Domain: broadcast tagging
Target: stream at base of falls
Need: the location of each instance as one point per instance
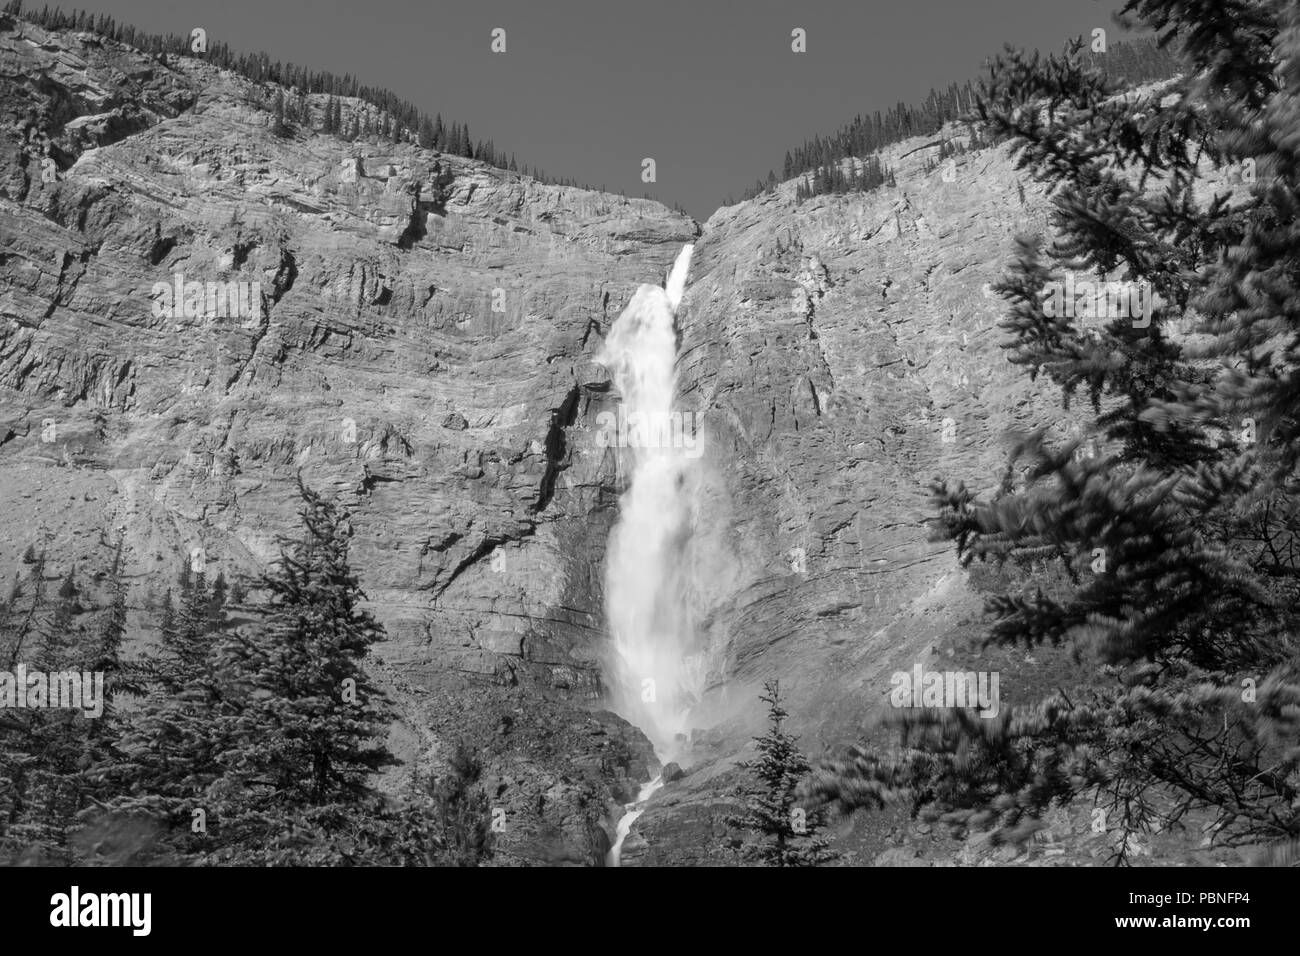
(630, 813)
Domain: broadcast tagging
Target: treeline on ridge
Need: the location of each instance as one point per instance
(822, 161)
(398, 120)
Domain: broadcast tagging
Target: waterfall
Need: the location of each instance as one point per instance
(630, 813)
(676, 283)
(655, 671)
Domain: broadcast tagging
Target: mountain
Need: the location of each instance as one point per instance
(375, 367)
(420, 346)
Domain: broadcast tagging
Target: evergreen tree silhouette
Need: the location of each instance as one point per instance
(788, 834)
(1191, 501)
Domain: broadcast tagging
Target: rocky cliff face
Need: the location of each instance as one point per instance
(420, 344)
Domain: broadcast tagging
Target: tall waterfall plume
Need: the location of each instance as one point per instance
(656, 670)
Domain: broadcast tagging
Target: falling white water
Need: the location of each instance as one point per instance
(677, 278)
(631, 812)
(656, 671)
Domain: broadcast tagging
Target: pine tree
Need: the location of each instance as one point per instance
(451, 818)
(187, 634)
(170, 749)
(1176, 544)
(788, 833)
(22, 621)
(68, 589)
(167, 620)
(49, 756)
(106, 654)
(58, 635)
(304, 747)
(279, 126)
(218, 598)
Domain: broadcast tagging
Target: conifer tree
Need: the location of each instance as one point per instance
(308, 738)
(21, 620)
(1179, 539)
(48, 754)
(68, 589)
(449, 824)
(169, 749)
(59, 633)
(105, 655)
(279, 126)
(217, 600)
(788, 834)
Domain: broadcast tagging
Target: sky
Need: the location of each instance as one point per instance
(588, 89)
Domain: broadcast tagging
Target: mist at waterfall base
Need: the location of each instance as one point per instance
(656, 667)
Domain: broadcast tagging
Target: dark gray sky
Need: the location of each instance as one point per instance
(587, 88)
